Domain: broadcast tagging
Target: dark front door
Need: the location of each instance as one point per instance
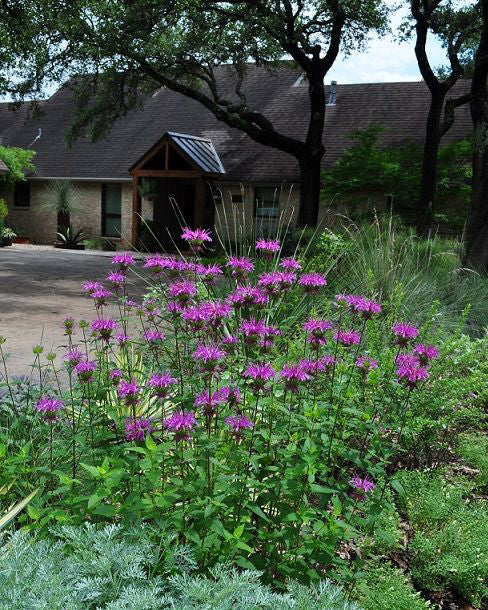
(174, 208)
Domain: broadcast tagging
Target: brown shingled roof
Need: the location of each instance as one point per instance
(400, 107)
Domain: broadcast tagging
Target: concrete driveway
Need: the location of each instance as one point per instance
(40, 287)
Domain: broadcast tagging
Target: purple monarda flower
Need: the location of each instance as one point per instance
(152, 336)
(320, 365)
(253, 330)
(209, 273)
(161, 384)
(209, 356)
(347, 337)
(276, 282)
(230, 343)
(426, 353)
(365, 485)
(116, 278)
(100, 296)
(317, 330)
(290, 264)
(115, 376)
(49, 407)
(238, 423)
(359, 304)
(247, 296)
(410, 371)
(312, 282)
(136, 428)
(197, 316)
(196, 237)
(259, 374)
(230, 395)
(240, 266)
(85, 370)
(181, 424)
(365, 364)
(104, 327)
(157, 263)
(294, 374)
(404, 333)
(73, 357)
(129, 392)
(122, 339)
(209, 402)
(268, 247)
(182, 291)
(90, 287)
(123, 260)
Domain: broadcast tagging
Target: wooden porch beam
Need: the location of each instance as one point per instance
(171, 173)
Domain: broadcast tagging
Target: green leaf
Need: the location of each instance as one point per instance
(14, 511)
(244, 547)
(150, 444)
(244, 563)
(93, 470)
(255, 509)
(238, 531)
(397, 486)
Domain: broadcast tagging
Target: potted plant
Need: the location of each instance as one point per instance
(8, 235)
(70, 239)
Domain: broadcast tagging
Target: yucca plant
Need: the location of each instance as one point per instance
(63, 198)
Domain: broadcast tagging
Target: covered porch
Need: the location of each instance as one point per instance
(175, 178)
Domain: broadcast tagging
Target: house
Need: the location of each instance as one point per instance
(174, 149)
(3, 168)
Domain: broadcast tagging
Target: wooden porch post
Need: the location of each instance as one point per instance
(199, 215)
(135, 219)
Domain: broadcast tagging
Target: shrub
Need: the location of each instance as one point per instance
(474, 449)
(450, 545)
(388, 589)
(88, 568)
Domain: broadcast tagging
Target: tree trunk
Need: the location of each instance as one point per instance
(309, 191)
(428, 180)
(314, 151)
(476, 236)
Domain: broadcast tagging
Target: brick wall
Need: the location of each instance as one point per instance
(40, 226)
(239, 217)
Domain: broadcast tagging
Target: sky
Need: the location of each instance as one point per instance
(385, 59)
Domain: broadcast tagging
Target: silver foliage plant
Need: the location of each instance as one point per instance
(85, 568)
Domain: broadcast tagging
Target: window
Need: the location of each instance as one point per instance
(266, 209)
(22, 194)
(111, 210)
(237, 199)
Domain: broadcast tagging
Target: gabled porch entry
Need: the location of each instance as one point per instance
(180, 169)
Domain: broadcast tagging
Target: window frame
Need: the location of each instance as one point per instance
(110, 215)
(27, 186)
(276, 202)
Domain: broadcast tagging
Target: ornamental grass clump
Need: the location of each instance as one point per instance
(250, 413)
